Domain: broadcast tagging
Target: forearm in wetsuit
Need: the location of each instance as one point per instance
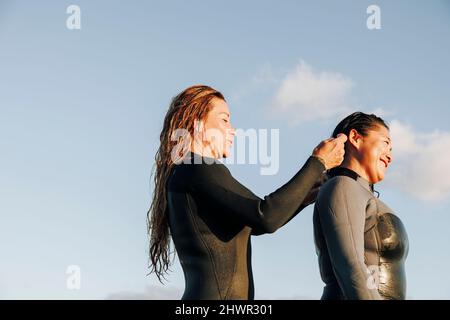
(262, 215)
(342, 209)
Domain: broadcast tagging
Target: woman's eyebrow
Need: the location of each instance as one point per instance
(225, 113)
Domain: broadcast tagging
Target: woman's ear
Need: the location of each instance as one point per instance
(354, 138)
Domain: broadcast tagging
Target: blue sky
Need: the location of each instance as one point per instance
(81, 111)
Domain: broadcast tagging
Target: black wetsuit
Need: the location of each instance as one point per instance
(211, 218)
(361, 244)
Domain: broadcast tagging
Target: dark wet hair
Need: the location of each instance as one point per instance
(361, 122)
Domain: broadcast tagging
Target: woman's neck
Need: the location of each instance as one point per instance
(203, 151)
(355, 166)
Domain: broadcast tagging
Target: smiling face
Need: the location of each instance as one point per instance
(372, 152)
(219, 134)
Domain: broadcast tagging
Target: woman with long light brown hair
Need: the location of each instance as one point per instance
(208, 214)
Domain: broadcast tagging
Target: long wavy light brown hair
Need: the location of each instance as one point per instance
(188, 107)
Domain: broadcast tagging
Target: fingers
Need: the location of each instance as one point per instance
(341, 138)
(332, 151)
(339, 142)
(339, 151)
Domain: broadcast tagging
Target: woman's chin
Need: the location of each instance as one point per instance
(380, 177)
(226, 151)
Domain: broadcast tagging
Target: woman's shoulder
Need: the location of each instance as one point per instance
(343, 187)
(341, 183)
(187, 173)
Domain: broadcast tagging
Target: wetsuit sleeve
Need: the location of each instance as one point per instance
(342, 217)
(215, 183)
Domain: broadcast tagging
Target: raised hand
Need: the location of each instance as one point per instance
(331, 151)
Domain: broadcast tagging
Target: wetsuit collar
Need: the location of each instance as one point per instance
(196, 158)
(341, 171)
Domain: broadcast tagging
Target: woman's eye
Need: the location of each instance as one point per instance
(225, 120)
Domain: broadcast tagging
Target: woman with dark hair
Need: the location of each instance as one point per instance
(361, 244)
(207, 213)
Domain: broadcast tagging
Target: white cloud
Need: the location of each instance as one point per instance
(306, 95)
(420, 162)
(152, 292)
